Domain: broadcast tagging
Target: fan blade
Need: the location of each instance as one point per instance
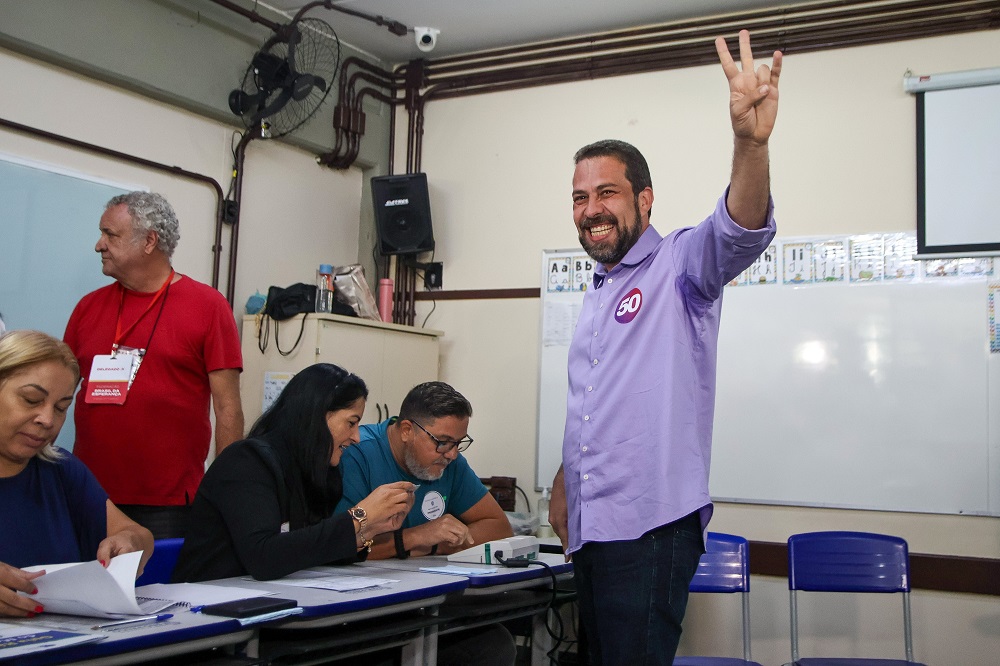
(304, 84)
(294, 39)
(275, 105)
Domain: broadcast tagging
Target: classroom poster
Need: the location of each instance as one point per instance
(899, 261)
(558, 274)
(867, 258)
(582, 272)
(798, 262)
(994, 304)
(830, 261)
(765, 269)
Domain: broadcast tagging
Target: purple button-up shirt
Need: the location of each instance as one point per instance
(638, 438)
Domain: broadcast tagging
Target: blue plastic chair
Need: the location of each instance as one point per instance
(161, 564)
(849, 562)
(725, 568)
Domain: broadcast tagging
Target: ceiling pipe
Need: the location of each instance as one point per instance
(812, 27)
(349, 116)
(156, 166)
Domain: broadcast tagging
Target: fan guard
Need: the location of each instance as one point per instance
(288, 79)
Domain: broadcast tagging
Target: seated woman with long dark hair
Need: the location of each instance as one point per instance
(52, 509)
(265, 507)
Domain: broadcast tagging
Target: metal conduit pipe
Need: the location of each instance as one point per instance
(812, 27)
(156, 166)
(858, 12)
(240, 159)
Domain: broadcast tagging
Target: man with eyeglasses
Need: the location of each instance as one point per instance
(452, 509)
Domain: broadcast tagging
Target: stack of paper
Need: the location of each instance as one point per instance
(87, 588)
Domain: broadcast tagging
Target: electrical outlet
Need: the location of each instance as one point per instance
(433, 275)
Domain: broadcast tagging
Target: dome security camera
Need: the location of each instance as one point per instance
(426, 38)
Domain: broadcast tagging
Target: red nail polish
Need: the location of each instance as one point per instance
(30, 615)
(35, 591)
(103, 564)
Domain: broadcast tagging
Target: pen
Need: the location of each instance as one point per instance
(147, 618)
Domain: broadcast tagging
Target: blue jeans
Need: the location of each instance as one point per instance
(633, 594)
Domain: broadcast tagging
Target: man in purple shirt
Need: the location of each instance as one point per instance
(631, 500)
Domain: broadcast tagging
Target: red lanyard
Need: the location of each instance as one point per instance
(119, 335)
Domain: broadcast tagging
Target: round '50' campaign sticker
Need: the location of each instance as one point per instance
(628, 306)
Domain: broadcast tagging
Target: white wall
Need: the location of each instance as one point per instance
(843, 161)
(295, 214)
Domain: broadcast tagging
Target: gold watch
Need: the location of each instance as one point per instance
(360, 515)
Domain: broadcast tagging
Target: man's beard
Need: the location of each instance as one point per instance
(417, 470)
(627, 237)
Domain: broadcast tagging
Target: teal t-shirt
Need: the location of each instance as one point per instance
(369, 464)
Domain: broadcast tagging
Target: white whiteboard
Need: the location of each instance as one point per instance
(565, 276)
(873, 396)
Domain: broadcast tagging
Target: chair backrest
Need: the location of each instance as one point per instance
(161, 565)
(725, 568)
(849, 562)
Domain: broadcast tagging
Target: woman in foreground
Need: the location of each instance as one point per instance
(54, 510)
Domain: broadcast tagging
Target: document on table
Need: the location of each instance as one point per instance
(18, 639)
(87, 588)
(461, 571)
(326, 581)
(195, 594)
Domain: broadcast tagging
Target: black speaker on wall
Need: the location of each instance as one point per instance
(402, 214)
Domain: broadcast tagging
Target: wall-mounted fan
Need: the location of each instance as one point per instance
(288, 78)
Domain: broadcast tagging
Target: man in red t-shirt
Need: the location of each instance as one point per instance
(168, 347)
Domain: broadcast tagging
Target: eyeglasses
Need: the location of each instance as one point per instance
(446, 446)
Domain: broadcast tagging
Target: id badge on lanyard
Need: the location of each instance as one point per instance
(111, 376)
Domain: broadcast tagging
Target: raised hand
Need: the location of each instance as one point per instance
(753, 96)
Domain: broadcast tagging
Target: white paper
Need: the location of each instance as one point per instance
(461, 571)
(18, 639)
(87, 588)
(274, 384)
(195, 594)
(325, 581)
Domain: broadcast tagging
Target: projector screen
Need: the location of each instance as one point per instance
(958, 171)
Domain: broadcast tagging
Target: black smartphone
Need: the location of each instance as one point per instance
(249, 607)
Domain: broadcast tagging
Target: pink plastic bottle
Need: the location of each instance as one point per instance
(385, 299)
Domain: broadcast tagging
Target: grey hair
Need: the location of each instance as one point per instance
(151, 212)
